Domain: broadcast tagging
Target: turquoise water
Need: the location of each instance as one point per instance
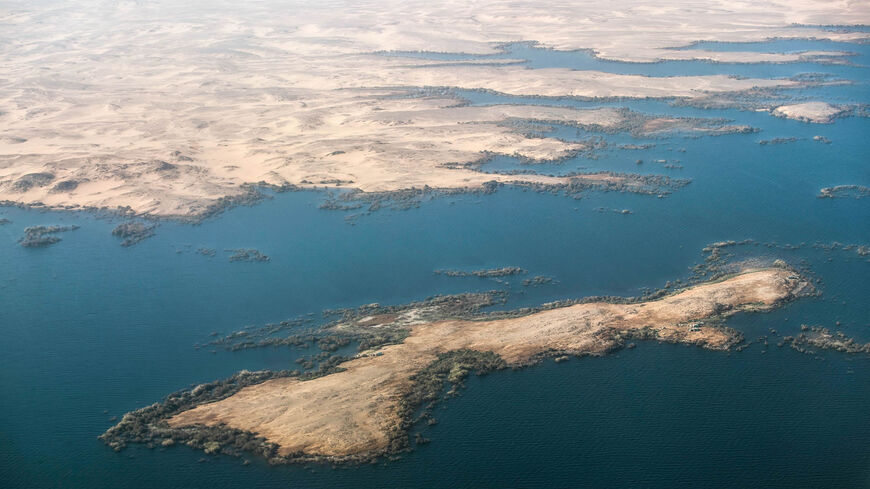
(91, 330)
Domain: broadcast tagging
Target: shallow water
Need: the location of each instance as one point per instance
(92, 330)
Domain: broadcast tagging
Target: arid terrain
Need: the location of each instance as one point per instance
(360, 410)
(164, 108)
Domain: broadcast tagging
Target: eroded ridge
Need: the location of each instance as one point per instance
(364, 408)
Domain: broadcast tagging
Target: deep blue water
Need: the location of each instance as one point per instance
(91, 330)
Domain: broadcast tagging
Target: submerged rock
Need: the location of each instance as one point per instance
(538, 280)
(824, 339)
(41, 236)
(133, 232)
(488, 273)
(845, 191)
(765, 142)
(248, 254)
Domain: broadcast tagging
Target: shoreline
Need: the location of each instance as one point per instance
(571, 184)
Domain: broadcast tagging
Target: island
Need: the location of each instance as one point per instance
(42, 236)
(816, 112)
(132, 232)
(363, 408)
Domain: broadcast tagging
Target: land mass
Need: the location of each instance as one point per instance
(188, 104)
(363, 408)
(380, 141)
(816, 112)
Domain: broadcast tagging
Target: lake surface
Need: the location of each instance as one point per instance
(92, 330)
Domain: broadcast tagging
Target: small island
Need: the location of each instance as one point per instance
(42, 236)
(485, 273)
(132, 232)
(363, 408)
(246, 254)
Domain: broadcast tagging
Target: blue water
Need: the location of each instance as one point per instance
(856, 61)
(91, 330)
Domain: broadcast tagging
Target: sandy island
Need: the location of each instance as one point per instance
(816, 112)
(359, 412)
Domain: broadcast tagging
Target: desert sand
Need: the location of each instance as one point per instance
(350, 139)
(358, 411)
(164, 107)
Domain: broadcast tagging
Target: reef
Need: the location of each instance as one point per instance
(824, 339)
(4, 221)
(637, 146)
(247, 254)
(133, 232)
(489, 273)
(604, 210)
(845, 192)
(41, 236)
(538, 281)
(765, 142)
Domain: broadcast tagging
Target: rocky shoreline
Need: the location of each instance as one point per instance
(575, 187)
(822, 338)
(150, 425)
